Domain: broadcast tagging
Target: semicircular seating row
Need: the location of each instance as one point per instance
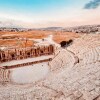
(87, 48)
(84, 44)
(63, 59)
(5, 75)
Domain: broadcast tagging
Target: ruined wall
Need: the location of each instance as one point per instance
(23, 53)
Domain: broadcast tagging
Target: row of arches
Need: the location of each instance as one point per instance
(17, 54)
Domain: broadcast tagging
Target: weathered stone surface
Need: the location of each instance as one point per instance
(68, 80)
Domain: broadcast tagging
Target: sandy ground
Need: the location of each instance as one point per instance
(36, 34)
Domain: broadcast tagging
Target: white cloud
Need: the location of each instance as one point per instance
(62, 17)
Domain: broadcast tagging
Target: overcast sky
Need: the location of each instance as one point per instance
(48, 13)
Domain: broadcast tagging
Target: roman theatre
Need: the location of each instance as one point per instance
(48, 71)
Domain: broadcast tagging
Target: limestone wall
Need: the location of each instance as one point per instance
(23, 53)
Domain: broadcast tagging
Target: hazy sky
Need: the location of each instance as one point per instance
(47, 13)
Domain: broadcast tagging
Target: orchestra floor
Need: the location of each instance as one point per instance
(30, 74)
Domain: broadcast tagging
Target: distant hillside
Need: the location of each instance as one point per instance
(51, 28)
(77, 29)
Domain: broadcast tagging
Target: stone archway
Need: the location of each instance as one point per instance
(13, 56)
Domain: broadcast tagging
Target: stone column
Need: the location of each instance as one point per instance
(0, 56)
